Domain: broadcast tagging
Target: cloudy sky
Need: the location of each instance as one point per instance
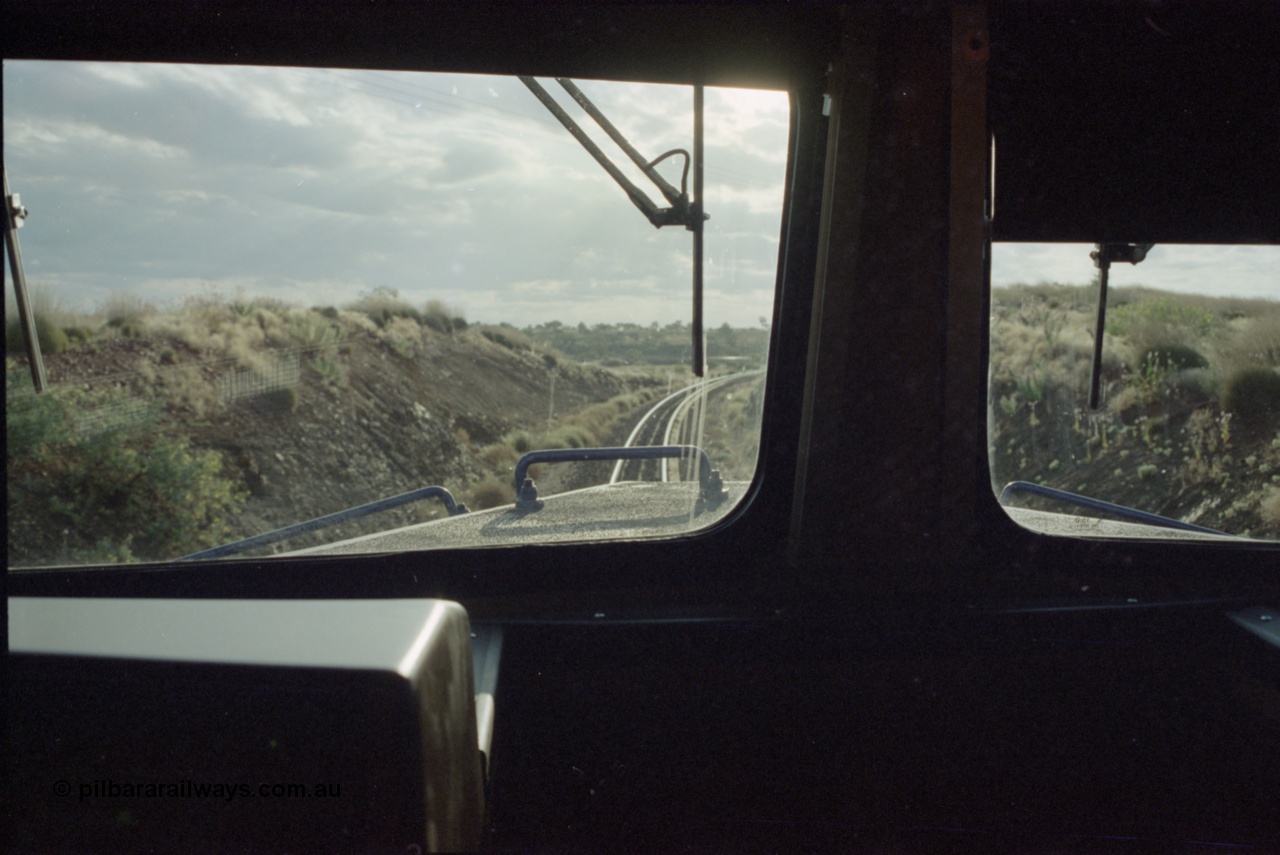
(315, 185)
(1226, 271)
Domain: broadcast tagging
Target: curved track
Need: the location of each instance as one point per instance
(673, 420)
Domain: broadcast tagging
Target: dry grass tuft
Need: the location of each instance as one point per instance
(1269, 508)
(500, 455)
(122, 306)
(491, 493)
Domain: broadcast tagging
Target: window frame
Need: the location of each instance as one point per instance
(730, 554)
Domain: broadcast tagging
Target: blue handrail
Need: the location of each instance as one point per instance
(1098, 505)
(453, 507)
(527, 494)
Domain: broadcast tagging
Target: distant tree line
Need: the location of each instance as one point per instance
(653, 344)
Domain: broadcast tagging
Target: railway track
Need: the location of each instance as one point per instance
(674, 420)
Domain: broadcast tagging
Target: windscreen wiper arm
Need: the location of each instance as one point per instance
(14, 214)
(1122, 511)
(451, 505)
(684, 211)
(1106, 253)
(679, 214)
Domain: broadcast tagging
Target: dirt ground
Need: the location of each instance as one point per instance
(312, 432)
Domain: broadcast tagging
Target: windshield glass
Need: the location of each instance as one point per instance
(266, 295)
(1188, 418)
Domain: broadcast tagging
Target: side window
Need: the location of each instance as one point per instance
(268, 296)
(1187, 422)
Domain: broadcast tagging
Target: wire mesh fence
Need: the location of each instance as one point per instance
(283, 372)
(137, 398)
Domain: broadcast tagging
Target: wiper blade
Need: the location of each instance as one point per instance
(453, 507)
(1121, 511)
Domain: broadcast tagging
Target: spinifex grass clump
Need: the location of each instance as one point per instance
(1253, 395)
(383, 305)
(1172, 357)
(491, 493)
(439, 317)
(1163, 313)
(51, 337)
(284, 400)
(510, 338)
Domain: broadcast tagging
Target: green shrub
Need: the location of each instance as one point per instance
(1172, 357)
(122, 491)
(383, 305)
(438, 323)
(281, 400)
(1198, 380)
(78, 333)
(330, 371)
(509, 337)
(153, 490)
(1253, 395)
(31, 421)
(498, 338)
(384, 316)
(52, 339)
(311, 329)
(270, 304)
(1162, 312)
(129, 327)
(520, 440)
(121, 306)
(105, 551)
(569, 436)
(441, 318)
(1258, 342)
(499, 455)
(437, 316)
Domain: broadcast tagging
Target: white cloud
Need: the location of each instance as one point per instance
(754, 200)
(540, 286)
(311, 185)
(1227, 271)
(31, 136)
(120, 74)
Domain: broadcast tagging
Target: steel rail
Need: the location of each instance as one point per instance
(706, 388)
(617, 469)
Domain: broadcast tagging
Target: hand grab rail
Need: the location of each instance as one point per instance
(712, 492)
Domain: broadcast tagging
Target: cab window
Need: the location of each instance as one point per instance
(1186, 426)
(267, 296)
